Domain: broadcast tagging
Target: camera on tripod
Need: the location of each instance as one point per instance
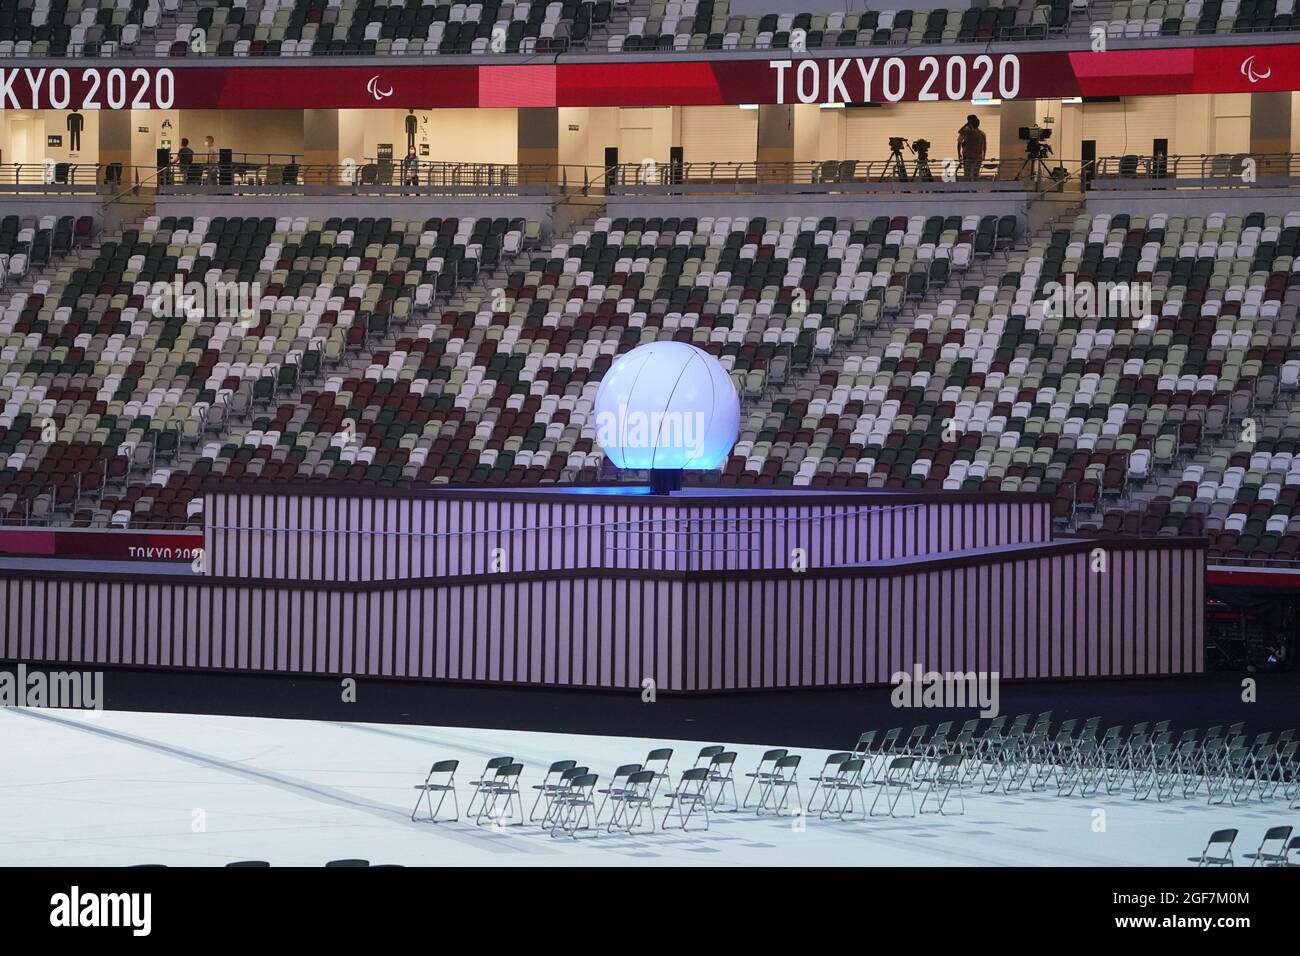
(897, 165)
(1035, 139)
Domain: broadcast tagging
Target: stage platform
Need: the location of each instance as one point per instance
(612, 587)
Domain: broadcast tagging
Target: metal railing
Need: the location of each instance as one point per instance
(1199, 170)
(255, 176)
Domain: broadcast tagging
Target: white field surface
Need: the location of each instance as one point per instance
(83, 788)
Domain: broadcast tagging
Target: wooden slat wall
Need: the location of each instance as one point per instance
(389, 538)
(1038, 614)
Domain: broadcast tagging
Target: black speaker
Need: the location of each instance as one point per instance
(225, 166)
(163, 158)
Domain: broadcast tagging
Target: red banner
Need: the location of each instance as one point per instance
(101, 544)
(883, 78)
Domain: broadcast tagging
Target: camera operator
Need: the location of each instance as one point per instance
(971, 144)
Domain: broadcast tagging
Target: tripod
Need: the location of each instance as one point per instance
(921, 172)
(1035, 163)
(895, 166)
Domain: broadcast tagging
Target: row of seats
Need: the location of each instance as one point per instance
(422, 27)
(129, 378)
(369, 28)
(708, 25)
(868, 351)
(35, 240)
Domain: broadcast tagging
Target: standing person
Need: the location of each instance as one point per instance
(971, 144)
(185, 160)
(411, 167)
(210, 160)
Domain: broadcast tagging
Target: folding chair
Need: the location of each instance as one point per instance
(1293, 852)
(564, 784)
(691, 792)
(886, 749)
(1083, 770)
(938, 745)
(503, 786)
(721, 771)
(657, 760)
(830, 771)
(914, 746)
(1229, 779)
(1274, 774)
(898, 779)
(863, 747)
(574, 806)
(444, 787)
(1159, 774)
(1269, 857)
(1224, 838)
(763, 773)
(940, 783)
(843, 785)
(617, 787)
(707, 754)
(546, 789)
(489, 775)
(637, 798)
(780, 782)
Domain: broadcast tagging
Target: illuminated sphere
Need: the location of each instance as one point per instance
(667, 405)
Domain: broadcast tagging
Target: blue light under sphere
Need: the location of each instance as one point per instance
(667, 405)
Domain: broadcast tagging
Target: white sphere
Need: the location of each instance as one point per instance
(667, 405)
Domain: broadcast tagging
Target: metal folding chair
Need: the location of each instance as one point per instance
(1272, 857)
(617, 787)
(775, 795)
(563, 784)
(575, 806)
(884, 751)
(863, 747)
(830, 771)
(841, 787)
(763, 773)
(443, 787)
(691, 794)
(1219, 838)
(636, 798)
(497, 794)
(707, 754)
(657, 760)
(897, 780)
(546, 789)
(721, 771)
(940, 783)
(481, 785)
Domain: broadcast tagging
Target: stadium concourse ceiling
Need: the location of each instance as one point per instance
(850, 79)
